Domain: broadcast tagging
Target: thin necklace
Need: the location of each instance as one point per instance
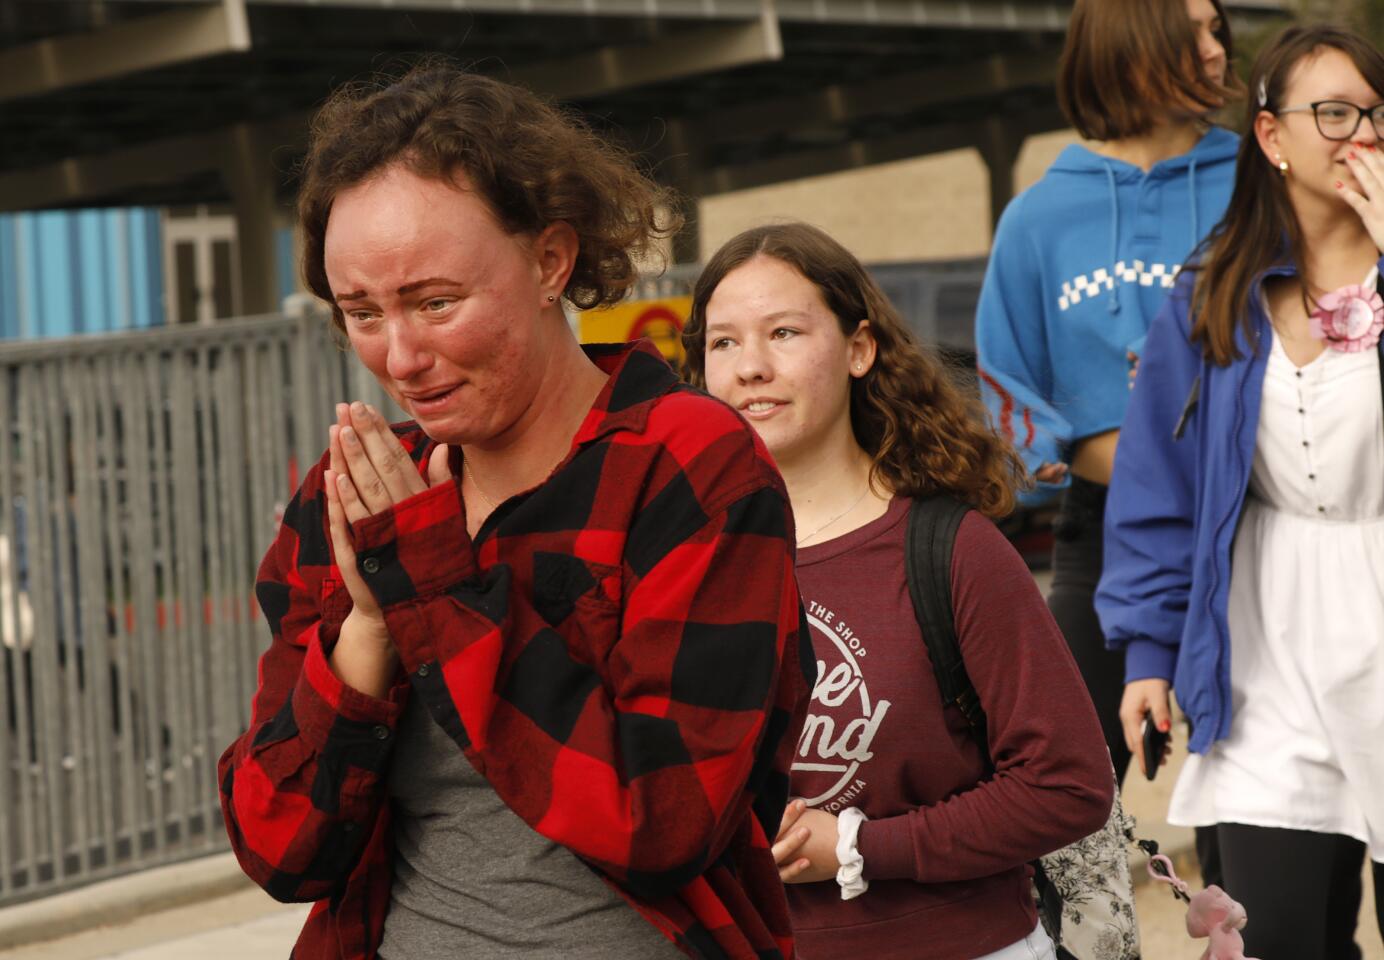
(802, 540)
(466, 468)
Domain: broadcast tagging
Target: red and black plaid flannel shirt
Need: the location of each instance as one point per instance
(621, 653)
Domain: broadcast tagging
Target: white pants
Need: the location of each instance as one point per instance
(1035, 946)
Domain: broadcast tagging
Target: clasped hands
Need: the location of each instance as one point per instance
(369, 472)
(805, 848)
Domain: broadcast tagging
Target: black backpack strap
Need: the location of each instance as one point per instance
(932, 525)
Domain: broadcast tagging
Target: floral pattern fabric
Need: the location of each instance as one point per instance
(1092, 879)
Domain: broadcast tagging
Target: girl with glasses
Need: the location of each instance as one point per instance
(1082, 262)
(1245, 526)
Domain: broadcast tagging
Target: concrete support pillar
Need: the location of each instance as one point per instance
(687, 242)
(253, 182)
(676, 168)
(999, 148)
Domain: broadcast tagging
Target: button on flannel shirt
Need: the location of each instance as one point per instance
(621, 653)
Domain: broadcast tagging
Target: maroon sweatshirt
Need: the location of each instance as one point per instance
(946, 846)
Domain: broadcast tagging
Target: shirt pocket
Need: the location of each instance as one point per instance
(572, 594)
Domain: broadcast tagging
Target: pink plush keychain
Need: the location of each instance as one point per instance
(1210, 913)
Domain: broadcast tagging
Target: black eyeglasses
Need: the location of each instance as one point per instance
(1339, 119)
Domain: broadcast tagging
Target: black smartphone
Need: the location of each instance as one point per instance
(1155, 741)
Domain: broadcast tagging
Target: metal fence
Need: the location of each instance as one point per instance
(140, 480)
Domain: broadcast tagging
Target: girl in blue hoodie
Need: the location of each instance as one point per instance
(1245, 533)
(1083, 260)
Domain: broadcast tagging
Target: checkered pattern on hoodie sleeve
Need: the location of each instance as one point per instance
(620, 653)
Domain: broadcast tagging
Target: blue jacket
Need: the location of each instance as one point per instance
(1181, 471)
(1081, 264)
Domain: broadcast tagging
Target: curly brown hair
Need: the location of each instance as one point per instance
(532, 163)
(924, 433)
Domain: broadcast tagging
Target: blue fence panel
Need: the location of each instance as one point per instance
(146, 264)
(93, 296)
(9, 280)
(83, 271)
(56, 266)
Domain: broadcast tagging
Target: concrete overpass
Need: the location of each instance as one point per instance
(167, 102)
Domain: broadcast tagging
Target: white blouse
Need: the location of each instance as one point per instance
(1306, 615)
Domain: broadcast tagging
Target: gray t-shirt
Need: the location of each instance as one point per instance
(471, 879)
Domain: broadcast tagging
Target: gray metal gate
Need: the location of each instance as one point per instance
(141, 477)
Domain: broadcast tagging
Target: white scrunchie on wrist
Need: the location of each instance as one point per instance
(850, 876)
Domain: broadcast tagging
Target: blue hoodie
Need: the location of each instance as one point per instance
(1081, 264)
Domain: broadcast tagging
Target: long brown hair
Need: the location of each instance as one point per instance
(923, 433)
(532, 163)
(1126, 63)
(1260, 228)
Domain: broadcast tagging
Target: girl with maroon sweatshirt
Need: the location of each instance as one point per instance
(903, 842)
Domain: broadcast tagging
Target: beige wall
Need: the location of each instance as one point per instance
(1038, 154)
(928, 208)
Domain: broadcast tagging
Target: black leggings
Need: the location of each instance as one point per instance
(1301, 890)
(1076, 563)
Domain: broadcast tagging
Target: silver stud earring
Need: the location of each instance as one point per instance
(551, 298)
(1282, 167)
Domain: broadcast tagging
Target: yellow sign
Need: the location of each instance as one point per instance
(659, 320)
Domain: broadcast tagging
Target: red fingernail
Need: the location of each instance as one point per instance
(1164, 726)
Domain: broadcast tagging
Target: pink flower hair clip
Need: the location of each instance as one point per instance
(1349, 319)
